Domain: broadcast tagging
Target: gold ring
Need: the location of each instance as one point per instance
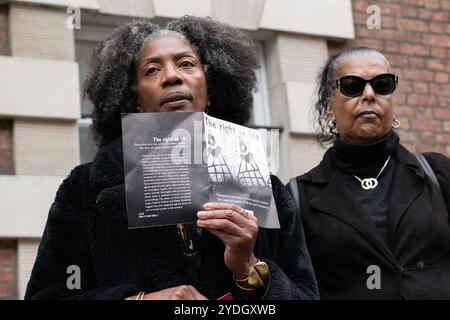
(244, 213)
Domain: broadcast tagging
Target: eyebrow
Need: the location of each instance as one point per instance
(156, 59)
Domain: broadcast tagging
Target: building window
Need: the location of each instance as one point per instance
(6, 146)
(261, 117)
(261, 109)
(88, 149)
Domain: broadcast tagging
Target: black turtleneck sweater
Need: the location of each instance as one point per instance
(366, 161)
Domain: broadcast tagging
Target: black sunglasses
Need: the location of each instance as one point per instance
(353, 86)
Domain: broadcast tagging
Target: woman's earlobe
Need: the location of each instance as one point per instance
(332, 127)
(329, 109)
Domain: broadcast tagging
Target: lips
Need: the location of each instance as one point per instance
(175, 99)
(367, 114)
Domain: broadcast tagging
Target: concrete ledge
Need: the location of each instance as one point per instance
(176, 8)
(26, 255)
(329, 18)
(301, 58)
(83, 4)
(303, 154)
(300, 97)
(45, 148)
(295, 16)
(134, 8)
(40, 33)
(39, 88)
(244, 14)
(25, 203)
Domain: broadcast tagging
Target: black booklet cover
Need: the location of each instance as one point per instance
(176, 162)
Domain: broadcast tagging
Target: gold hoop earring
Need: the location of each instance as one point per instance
(395, 123)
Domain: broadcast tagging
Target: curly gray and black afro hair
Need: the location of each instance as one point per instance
(228, 57)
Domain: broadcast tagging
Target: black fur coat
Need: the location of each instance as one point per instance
(87, 227)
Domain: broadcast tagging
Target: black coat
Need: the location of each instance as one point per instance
(343, 241)
(87, 227)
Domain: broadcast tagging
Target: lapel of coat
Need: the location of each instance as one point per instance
(338, 202)
(408, 183)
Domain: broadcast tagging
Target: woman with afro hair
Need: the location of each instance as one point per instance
(87, 251)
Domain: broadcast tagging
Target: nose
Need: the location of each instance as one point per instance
(171, 76)
(368, 93)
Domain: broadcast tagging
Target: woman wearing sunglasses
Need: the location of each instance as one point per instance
(376, 225)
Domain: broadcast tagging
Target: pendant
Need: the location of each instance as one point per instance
(369, 183)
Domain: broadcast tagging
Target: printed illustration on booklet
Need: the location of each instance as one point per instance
(176, 162)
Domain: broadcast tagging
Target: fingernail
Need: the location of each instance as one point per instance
(207, 205)
(201, 214)
(199, 223)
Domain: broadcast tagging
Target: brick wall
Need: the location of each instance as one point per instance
(8, 269)
(415, 37)
(4, 44)
(6, 152)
